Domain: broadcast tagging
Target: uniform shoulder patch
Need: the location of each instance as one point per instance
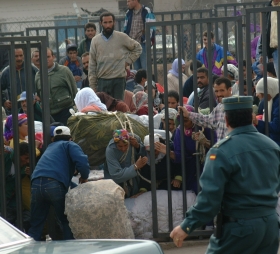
(218, 144)
(212, 157)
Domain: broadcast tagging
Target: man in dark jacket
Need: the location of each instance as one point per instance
(20, 80)
(204, 93)
(51, 180)
(84, 46)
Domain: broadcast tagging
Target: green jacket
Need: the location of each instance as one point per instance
(62, 87)
(82, 47)
(237, 180)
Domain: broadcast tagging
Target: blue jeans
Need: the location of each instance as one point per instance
(275, 61)
(141, 62)
(44, 193)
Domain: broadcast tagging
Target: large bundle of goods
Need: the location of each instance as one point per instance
(93, 132)
(140, 211)
(96, 210)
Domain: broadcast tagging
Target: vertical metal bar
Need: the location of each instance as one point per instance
(151, 128)
(248, 55)
(264, 55)
(57, 45)
(30, 89)
(278, 54)
(169, 197)
(2, 170)
(45, 93)
(225, 47)
(18, 190)
(239, 43)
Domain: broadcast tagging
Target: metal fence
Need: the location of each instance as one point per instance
(56, 36)
(25, 43)
(179, 26)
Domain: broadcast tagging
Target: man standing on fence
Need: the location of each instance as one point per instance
(110, 52)
(238, 187)
(134, 26)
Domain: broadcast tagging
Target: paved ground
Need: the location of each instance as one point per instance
(189, 247)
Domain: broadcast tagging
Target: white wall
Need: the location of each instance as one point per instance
(24, 9)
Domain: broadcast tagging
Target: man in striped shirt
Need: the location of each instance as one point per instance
(216, 119)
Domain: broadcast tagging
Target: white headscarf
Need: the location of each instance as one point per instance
(86, 97)
(272, 90)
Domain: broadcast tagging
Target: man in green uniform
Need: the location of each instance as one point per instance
(240, 181)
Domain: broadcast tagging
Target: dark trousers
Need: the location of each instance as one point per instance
(254, 236)
(44, 193)
(62, 116)
(114, 87)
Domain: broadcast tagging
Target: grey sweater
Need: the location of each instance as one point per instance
(107, 58)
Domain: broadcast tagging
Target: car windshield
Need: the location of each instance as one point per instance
(9, 234)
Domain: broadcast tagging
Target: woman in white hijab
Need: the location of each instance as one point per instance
(273, 108)
(86, 100)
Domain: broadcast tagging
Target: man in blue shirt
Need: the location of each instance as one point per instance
(51, 180)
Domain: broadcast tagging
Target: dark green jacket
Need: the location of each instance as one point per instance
(62, 87)
(83, 46)
(37, 112)
(240, 177)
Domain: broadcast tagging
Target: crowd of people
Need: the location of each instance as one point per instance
(95, 76)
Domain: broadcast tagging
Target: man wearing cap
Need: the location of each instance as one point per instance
(37, 108)
(216, 119)
(110, 53)
(238, 187)
(74, 63)
(51, 179)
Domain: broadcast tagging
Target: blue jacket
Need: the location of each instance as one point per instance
(147, 16)
(59, 162)
(274, 124)
(20, 81)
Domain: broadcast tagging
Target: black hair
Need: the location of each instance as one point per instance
(203, 70)
(239, 117)
(23, 148)
(61, 137)
(214, 77)
(198, 65)
(106, 14)
(211, 34)
(57, 124)
(223, 80)
(90, 25)
(244, 63)
(174, 94)
(141, 73)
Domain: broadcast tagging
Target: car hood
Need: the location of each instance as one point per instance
(85, 247)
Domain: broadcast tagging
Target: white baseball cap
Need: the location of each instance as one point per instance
(61, 130)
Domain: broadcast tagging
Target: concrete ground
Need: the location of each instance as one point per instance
(189, 247)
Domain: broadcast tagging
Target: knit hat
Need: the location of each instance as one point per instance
(121, 134)
(8, 131)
